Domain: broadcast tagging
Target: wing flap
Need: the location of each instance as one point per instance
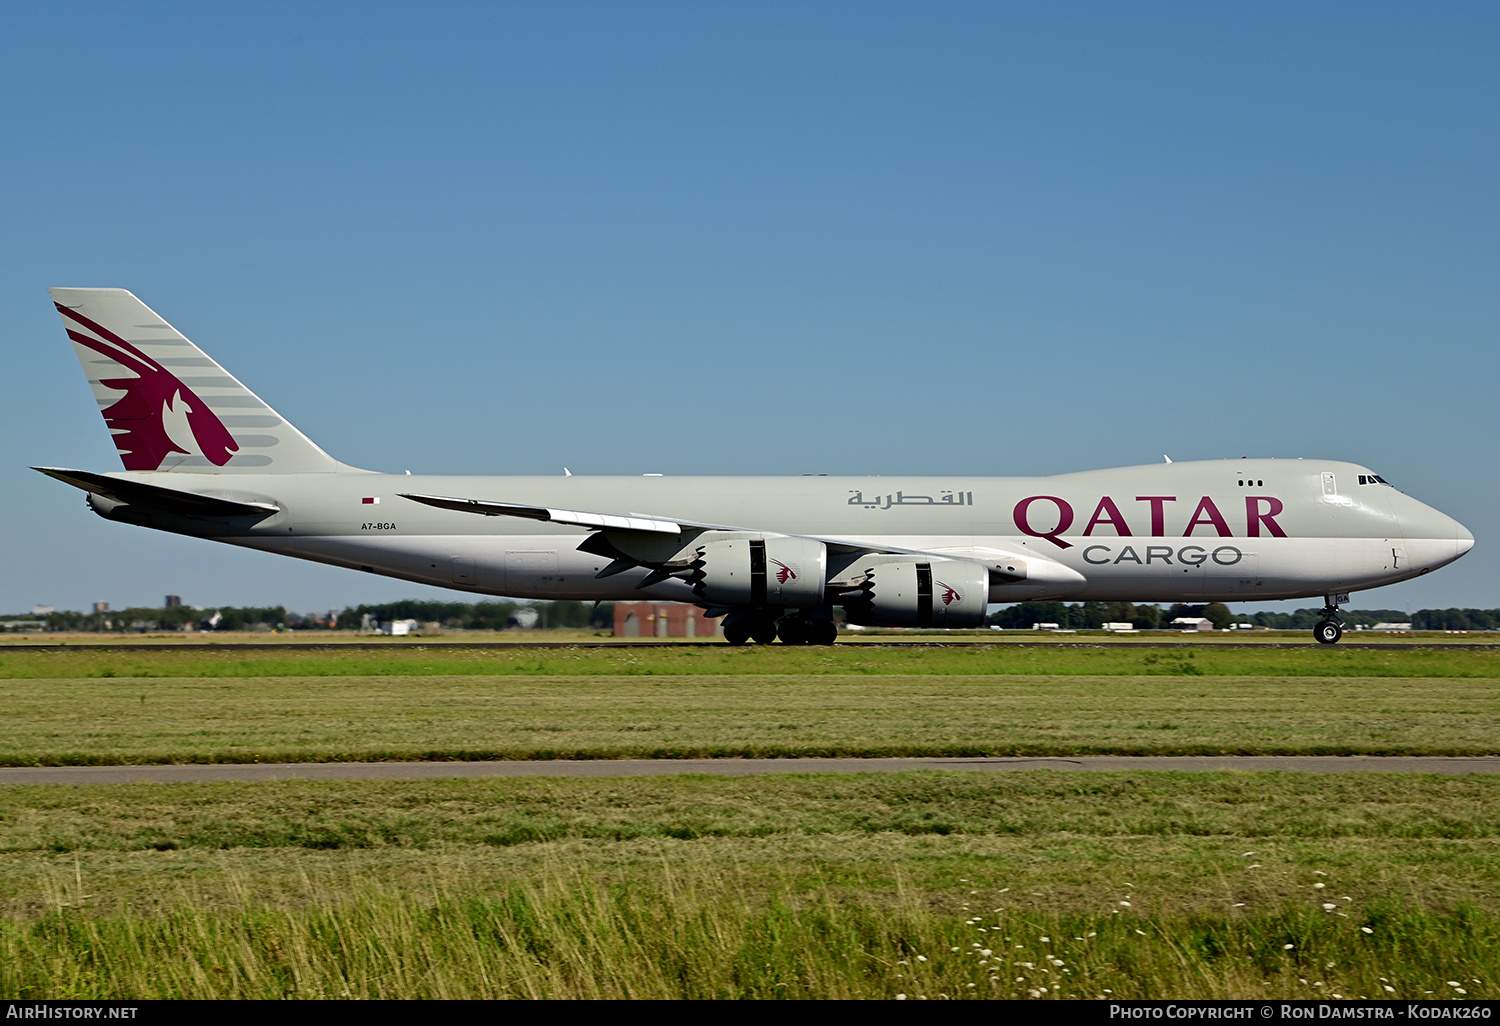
(570, 517)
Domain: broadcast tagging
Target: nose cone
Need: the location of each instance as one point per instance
(1433, 537)
(1465, 540)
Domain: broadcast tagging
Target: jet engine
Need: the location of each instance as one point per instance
(786, 573)
(908, 593)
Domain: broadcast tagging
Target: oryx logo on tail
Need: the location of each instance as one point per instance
(158, 415)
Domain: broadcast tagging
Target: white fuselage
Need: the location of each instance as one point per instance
(1232, 530)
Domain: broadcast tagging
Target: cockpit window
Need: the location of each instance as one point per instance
(1373, 479)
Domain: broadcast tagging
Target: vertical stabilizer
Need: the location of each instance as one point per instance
(168, 404)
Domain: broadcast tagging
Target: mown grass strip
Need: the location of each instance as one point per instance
(103, 721)
(506, 812)
(1112, 660)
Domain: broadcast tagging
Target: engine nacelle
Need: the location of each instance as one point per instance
(786, 573)
(927, 593)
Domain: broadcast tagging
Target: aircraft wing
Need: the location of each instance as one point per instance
(1003, 566)
(571, 517)
(622, 522)
(169, 500)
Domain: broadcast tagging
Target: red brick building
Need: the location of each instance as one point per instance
(662, 620)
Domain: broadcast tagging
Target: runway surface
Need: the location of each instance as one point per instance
(728, 767)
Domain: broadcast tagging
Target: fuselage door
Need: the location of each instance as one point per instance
(529, 571)
(1233, 571)
(1398, 554)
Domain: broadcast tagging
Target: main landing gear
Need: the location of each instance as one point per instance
(750, 624)
(762, 627)
(1330, 628)
(806, 630)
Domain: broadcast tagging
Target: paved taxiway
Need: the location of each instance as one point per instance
(727, 767)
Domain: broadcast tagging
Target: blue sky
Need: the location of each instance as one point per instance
(761, 238)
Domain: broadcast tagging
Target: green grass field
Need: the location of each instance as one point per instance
(929, 885)
(97, 706)
(406, 659)
(1131, 885)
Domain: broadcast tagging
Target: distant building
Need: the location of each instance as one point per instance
(662, 620)
(1119, 628)
(1193, 623)
(173, 601)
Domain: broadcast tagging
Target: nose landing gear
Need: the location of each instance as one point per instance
(1328, 632)
(1330, 628)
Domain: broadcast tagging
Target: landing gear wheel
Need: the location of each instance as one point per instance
(1328, 632)
(822, 632)
(763, 631)
(737, 633)
(793, 631)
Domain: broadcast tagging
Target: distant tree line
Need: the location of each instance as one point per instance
(1421, 620)
(495, 615)
(1093, 615)
(498, 615)
(166, 618)
(482, 616)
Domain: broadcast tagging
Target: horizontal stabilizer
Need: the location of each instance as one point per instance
(169, 500)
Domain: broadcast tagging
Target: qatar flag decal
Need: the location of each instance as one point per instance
(371, 500)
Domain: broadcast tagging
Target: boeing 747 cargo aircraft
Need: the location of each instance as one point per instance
(204, 456)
